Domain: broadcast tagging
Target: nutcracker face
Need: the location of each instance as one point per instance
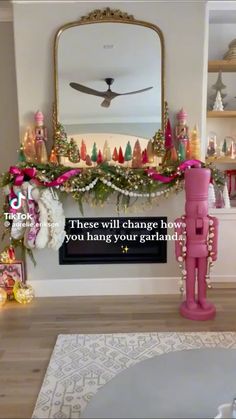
(195, 209)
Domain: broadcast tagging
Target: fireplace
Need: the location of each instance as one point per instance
(114, 240)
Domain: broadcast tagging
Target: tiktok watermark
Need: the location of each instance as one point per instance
(17, 202)
(19, 214)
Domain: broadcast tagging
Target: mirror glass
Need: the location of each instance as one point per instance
(96, 60)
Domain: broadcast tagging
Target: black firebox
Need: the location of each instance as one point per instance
(114, 240)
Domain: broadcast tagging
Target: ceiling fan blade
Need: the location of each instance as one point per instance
(135, 91)
(106, 103)
(87, 90)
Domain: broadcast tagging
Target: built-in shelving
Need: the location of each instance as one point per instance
(221, 65)
(221, 114)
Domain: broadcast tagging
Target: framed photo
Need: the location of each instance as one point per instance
(9, 273)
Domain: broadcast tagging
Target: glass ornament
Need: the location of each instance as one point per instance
(23, 293)
(3, 296)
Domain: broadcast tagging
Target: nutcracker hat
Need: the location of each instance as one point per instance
(196, 184)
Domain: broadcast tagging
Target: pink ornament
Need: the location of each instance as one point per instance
(196, 247)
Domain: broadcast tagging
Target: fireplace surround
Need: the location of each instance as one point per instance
(114, 240)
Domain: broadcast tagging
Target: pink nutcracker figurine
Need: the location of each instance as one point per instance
(182, 134)
(40, 138)
(196, 247)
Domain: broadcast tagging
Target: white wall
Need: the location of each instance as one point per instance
(9, 132)
(183, 25)
(220, 35)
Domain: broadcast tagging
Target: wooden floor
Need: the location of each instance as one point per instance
(28, 334)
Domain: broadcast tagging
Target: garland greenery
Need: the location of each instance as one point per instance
(96, 185)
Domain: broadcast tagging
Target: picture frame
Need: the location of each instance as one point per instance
(9, 273)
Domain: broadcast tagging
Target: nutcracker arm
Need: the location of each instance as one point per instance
(179, 231)
(215, 238)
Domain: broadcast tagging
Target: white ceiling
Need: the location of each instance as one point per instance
(130, 54)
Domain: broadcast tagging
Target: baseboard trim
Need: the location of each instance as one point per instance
(117, 286)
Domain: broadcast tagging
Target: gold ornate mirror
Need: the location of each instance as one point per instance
(109, 78)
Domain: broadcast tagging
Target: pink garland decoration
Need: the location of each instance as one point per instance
(181, 168)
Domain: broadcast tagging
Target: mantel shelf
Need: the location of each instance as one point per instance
(221, 114)
(221, 65)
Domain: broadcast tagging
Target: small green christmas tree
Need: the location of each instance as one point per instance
(21, 155)
(61, 141)
(73, 151)
(94, 154)
(128, 152)
(224, 148)
(158, 144)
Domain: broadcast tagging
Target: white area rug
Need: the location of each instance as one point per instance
(81, 364)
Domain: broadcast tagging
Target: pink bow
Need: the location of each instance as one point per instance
(21, 173)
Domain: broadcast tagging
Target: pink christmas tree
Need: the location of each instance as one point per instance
(115, 155)
(121, 156)
(168, 136)
(88, 160)
(137, 155)
(83, 151)
(144, 156)
(99, 157)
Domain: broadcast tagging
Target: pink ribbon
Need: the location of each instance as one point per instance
(31, 173)
(21, 173)
(166, 179)
(63, 178)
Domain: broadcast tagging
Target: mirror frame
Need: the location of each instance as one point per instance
(101, 16)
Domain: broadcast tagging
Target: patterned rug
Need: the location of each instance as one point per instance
(81, 364)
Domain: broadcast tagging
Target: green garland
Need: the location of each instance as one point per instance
(96, 185)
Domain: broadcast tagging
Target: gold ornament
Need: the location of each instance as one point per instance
(23, 293)
(8, 255)
(4, 257)
(3, 296)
